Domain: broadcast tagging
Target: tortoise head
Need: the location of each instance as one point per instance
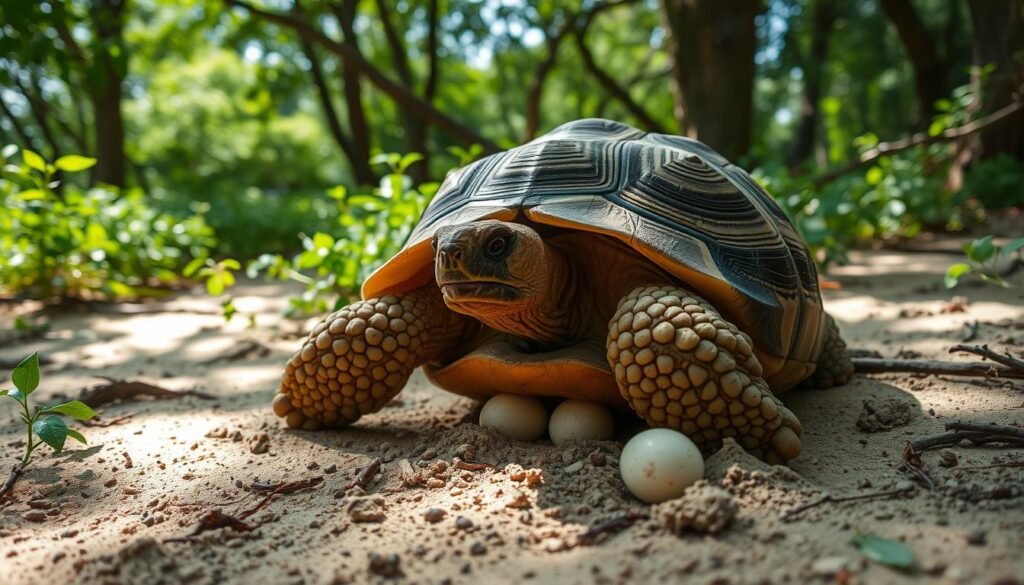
(487, 268)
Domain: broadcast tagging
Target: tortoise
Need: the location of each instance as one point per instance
(597, 262)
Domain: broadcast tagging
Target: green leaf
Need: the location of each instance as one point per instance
(26, 375)
(884, 550)
(981, 249)
(31, 195)
(33, 160)
(16, 394)
(4, 392)
(230, 263)
(955, 272)
(77, 436)
(228, 309)
(874, 176)
(9, 151)
(1012, 247)
(194, 265)
(73, 163)
(337, 193)
(76, 409)
(215, 285)
(408, 160)
(52, 430)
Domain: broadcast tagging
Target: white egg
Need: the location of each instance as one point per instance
(579, 420)
(658, 464)
(517, 417)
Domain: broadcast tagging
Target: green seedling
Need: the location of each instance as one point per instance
(43, 424)
(982, 256)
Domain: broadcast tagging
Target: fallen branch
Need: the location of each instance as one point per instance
(116, 389)
(1005, 365)
(975, 432)
(920, 139)
(1005, 358)
(16, 472)
(830, 498)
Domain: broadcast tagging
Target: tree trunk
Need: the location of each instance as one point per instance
(359, 128)
(998, 38)
(711, 47)
(823, 18)
(105, 93)
(929, 68)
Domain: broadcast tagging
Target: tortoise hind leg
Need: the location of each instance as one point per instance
(834, 367)
(680, 365)
(358, 358)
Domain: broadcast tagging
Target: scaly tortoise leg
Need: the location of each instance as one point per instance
(680, 365)
(360, 357)
(834, 365)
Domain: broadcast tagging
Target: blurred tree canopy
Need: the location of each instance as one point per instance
(246, 108)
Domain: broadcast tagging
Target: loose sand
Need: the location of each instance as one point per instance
(102, 513)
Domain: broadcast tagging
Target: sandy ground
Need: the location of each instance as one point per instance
(103, 513)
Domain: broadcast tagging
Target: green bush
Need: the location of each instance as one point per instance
(58, 239)
(997, 182)
(373, 228)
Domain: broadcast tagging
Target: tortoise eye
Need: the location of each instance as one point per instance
(496, 247)
(433, 243)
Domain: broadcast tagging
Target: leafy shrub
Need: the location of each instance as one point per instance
(997, 182)
(374, 227)
(982, 256)
(76, 242)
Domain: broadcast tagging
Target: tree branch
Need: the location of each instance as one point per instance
(401, 95)
(27, 141)
(606, 81)
(915, 140)
(324, 95)
(430, 88)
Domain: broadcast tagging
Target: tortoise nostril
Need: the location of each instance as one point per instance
(449, 254)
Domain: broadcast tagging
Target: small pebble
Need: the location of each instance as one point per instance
(385, 565)
(34, 516)
(977, 537)
(434, 515)
(478, 548)
(463, 523)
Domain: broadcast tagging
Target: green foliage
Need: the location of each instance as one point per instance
(373, 228)
(997, 182)
(57, 239)
(43, 423)
(982, 257)
(895, 198)
(885, 550)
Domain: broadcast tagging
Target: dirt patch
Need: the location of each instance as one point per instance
(884, 414)
(419, 493)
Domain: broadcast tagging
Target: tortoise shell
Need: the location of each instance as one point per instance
(674, 200)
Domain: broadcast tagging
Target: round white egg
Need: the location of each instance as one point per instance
(579, 420)
(517, 417)
(659, 464)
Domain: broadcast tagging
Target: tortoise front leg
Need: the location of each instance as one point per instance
(680, 365)
(358, 358)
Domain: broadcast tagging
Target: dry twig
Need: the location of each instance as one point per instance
(366, 475)
(1005, 365)
(116, 389)
(829, 498)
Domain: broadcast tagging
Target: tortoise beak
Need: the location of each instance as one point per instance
(457, 287)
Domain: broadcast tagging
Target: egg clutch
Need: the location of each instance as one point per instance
(656, 464)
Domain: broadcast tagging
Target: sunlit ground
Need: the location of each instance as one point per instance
(109, 519)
